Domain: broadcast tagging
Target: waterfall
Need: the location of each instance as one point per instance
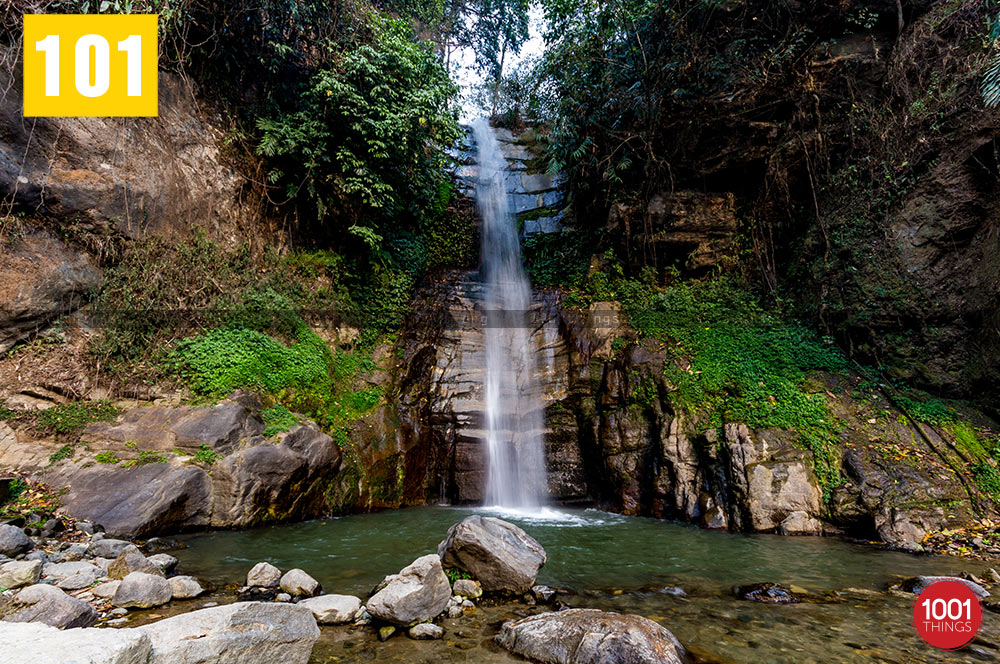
(514, 422)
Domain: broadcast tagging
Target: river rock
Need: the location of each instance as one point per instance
(164, 561)
(418, 593)
(241, 633)
(57, 572)
(297, 583)
(767, 593)
(501, 556)
(142, 591)
(264, 575)
(106, 547)
(185, 587)
(919, 584)
(79, 580)
(590, 636)
(41, 644)
(131, 560)
(106, 590)
(47, 604)
(426, 631)
(20, 573)
(332, 609)
(13, 541)
(468, 588)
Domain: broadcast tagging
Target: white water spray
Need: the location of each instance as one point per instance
(514, 421)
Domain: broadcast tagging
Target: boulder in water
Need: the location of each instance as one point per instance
(425, 631)
(590, 636)
(919, 584)
(297, 583)
(767, 593)
(332, 609)
(184, 587)
(420, 592)
(501, 556)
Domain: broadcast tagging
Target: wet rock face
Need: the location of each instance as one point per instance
(501, 556)
(254, 480)
(589, 636)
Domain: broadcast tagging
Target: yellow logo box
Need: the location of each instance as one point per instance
(89, 65)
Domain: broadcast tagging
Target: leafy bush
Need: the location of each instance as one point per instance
(358, 140)
(71, 417)
(557, 259)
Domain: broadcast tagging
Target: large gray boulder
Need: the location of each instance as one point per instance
(13, 541)
(590, 636)
(18, 573)
(501, 556)
(47, 604)
(142, 591)
(57, 572)
(41, 644)
(332, 609)
(420, 592)
(241, 633)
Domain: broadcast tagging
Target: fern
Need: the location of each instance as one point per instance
(991, 84)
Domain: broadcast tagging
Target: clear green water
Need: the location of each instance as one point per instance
(586, 550)
(621, 564)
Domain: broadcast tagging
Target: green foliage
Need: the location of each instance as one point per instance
(277, 419)
(991, 79)
(217, 362)
(928, 410)
(454, 574)
(16, 487)
(145, 457)
(71, 417)
(64, 452)
(987, 478)
(106, 456)
(557, 259)
(450, 234)
(732, 360)
(358, 139)
(205, 454)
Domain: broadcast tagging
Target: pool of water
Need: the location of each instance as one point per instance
(586, 549)
(618, 563)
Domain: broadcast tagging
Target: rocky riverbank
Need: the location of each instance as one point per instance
(478, 593)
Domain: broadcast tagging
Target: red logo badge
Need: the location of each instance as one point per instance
(947, 615)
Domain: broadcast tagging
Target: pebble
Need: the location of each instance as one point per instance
(117, 621)
(282, 597)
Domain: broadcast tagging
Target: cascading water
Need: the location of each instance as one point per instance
(514, 422)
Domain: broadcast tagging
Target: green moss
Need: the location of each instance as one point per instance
(145, 457)
(987, 478)
(71, 417)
